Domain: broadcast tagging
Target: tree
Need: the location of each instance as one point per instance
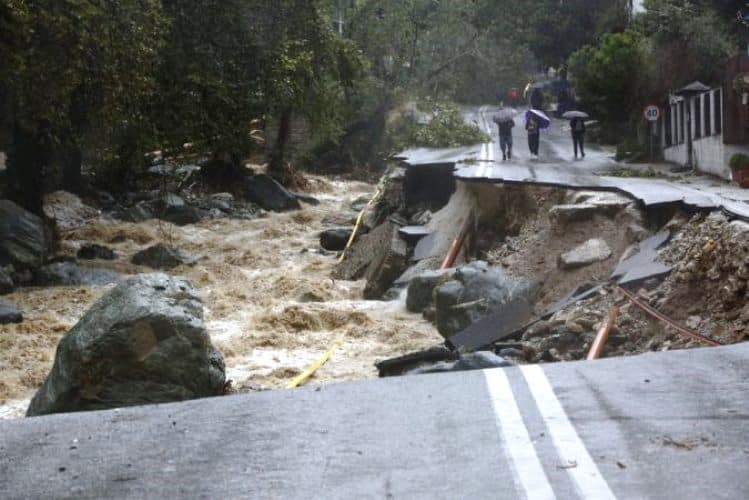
(690, 41)
(75, 68)
(612, 77)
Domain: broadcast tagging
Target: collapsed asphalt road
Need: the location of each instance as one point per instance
(657, 426)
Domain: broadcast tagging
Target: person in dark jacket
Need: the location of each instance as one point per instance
(577, 126)
(505, 138)
(534, 133)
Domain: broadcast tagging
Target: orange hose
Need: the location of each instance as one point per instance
(667, 321)
(603, 334)
(452, 253)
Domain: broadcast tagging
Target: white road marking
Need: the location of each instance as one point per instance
(530, 479)
(588, 480)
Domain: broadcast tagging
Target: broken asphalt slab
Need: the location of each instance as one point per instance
(428, 436)
(647, 191)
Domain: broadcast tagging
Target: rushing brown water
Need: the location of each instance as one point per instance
(270, 304)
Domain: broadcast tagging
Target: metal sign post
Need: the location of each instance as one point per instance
(651, 113)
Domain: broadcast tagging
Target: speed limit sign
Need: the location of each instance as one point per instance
(652, 113)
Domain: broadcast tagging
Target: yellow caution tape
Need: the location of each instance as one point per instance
(358, 223)
(311, 369)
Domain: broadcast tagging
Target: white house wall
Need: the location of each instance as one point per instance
(710, 155)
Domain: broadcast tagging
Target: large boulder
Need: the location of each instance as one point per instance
(475, 291)
(161, 257)
(93, 251)
(269, 194)
(67, 210)
(23, 241)
(173, 208)
(421, 288)
(169, 207)
(9, 312)
(143, 342)
(336, 239)
(71, 274)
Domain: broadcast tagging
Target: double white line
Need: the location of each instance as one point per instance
(530, 478)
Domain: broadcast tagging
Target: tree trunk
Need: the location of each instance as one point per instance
(72, 179)
(276, 166)
(25, 164)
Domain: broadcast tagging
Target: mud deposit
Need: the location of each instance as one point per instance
(270, 304)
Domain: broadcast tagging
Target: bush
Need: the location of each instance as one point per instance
(445, 129)
(738, 160)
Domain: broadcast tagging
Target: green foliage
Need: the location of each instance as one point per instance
(611, 77)
(738, 161)
(445, 128)
(689, 41)
(71, 77)
(554, 29)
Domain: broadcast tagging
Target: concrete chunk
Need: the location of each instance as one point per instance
(593, 250)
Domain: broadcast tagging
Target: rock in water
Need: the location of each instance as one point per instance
(6, 282)
(9, 312)
(593, 250)
(23, 242)
(71, 274)
(173, 208)
(144, 342)
(335, 240)
(92, 251)
(475, 291)
(162, 257)
(269, 194)
(67, 210)
(421, 289)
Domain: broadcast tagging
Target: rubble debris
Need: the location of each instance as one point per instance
(144, 342)
(9, 312)
(670, 322)
(475, 291)
(643, 262)
(161, 257)
(93, 251)
(412, 234)
(480, 360)
(507, 318)
(593, 250)
(402, 364)
(421, 288)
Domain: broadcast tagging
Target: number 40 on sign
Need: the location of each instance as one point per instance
(652, 113)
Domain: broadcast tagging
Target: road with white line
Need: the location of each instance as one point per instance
(662, 426)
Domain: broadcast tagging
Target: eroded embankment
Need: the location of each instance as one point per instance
(270, 304)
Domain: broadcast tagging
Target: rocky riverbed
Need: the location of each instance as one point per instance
(271, 306)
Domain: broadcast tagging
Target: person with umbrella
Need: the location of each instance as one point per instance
(504, 120)
(577, 127)
(535, 120)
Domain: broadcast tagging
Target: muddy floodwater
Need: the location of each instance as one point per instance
(270, 304)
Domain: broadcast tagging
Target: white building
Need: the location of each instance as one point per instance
(709, 153)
